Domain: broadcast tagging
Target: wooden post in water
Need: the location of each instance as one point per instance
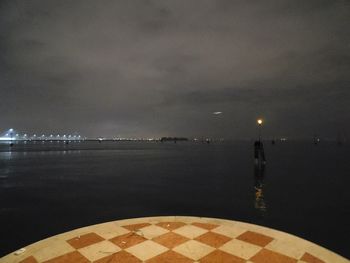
(11, 134)
(259, 154)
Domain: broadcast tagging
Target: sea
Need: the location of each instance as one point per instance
(47, 188)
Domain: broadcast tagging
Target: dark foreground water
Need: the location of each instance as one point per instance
(49, 188)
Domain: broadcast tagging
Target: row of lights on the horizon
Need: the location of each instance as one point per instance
(11, 135)
(43, 136)
(10, 131)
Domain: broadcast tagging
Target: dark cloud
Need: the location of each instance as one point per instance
(153, 68)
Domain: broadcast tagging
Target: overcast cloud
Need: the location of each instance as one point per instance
(161, 68)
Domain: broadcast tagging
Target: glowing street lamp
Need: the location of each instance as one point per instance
(260, 122)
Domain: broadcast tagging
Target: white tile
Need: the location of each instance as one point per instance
(193, 249)
(240, 248)
(53, 249)
(109, 230)
(190, 231)
(286, 248)
(99, 250)
(152, 231)
(229, 231)
(146, 250)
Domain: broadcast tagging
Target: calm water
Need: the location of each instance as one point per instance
(49, 188)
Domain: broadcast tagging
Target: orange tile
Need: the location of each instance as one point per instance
(255, 238)
(171, 225)
(213, 239)
(218, 256)
(85, 240)
(268, 256)
(135, 227)
(121, 256)
(30, 259)
(205, 226)
(72, 257)
(311, 259)
(170, 257)
(170, 240)
(127, 240)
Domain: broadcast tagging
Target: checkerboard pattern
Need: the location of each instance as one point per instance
(170, 242)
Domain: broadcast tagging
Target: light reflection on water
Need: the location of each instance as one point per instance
(259, 191)
(6, 155)
(4, 173)
(5, 170)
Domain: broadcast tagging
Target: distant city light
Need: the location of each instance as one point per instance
(217, 112)
(260, 121)
(12, 135)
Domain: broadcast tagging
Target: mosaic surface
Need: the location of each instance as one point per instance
(176, 240)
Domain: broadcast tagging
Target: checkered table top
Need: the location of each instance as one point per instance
(175, 240)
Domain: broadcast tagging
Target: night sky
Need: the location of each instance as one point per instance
(162, 68)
